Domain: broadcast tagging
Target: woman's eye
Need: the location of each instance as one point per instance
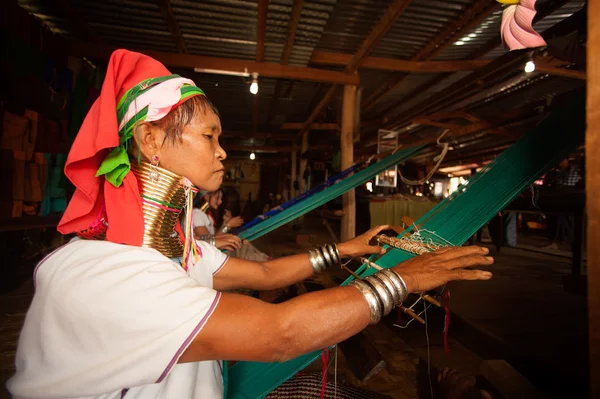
(209, 136)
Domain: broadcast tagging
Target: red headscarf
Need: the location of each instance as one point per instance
(98, 135)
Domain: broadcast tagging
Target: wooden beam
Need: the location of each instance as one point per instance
(261, 29)
(271, 148)
(286, 54)
(379, 30)
(387, 112)
(592, 167)
(245, 134)
(169, 16)
(390, 16)
(348, 230)
(544, 67)
(319, 108)
(476, 81)
(189, 61)
(469, 19)
(294, 168)
(314, 126)
(394, 65)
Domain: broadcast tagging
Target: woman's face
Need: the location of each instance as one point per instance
(216, 200)
(196, 154)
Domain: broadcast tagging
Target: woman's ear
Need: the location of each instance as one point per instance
(148, 138)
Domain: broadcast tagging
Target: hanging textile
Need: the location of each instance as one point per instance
(324, 196)
(455, 219)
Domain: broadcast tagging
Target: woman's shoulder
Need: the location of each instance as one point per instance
(82, 260)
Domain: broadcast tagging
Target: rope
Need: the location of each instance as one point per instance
(439, 159)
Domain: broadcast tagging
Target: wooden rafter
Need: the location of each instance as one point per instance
(189, 61)
(274, 148)
(286, 53)
(544, 67)
(544, 10)
(470, 18)
(379, 30)
(314, 126)
(384, 114)
(394, 65)
(476, 81)
(245, 134)
(491, 126)
(169, 16)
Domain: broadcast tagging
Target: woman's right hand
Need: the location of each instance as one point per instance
(228, 242)
(235, 222)
(428, 271)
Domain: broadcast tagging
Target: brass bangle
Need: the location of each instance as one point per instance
(371, 298)
(225, 229)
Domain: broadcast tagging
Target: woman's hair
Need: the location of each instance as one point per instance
(180, 117)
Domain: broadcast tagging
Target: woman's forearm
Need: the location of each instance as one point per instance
(279, 332)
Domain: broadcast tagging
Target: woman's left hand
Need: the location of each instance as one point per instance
(360, 245)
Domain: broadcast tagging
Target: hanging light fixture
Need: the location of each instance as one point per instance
(252, 156)
(254, 85)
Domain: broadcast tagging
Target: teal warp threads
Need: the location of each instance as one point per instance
(316, 200)
(455, 219)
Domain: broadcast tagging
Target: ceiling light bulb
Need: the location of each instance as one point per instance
(459, 43)
(254, 88)
(254, 85)
(529, 67)
(252, 156)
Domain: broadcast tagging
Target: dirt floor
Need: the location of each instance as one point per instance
(522, 315)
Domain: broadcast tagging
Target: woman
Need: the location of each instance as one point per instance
(204, 222)
(204, 229)
(127, 310)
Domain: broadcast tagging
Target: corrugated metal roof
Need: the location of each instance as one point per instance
(417, 26)
(227, 28)
(350, 23)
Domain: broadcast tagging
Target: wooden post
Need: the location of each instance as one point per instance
(293, 174)
(347, 153)
(592, 167)
(303, 162)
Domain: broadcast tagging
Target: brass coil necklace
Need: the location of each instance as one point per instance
(163, 199)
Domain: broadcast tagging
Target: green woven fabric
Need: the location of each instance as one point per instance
(455, 219)
(327, 195)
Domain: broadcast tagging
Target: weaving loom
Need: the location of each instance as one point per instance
(272, 212)
(316, 200)
(453, 221)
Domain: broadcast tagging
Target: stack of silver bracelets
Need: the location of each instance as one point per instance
(209, 238)
(383, 291)
(324, 257)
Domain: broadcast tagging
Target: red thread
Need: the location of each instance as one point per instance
(325, 359)
(446, 318)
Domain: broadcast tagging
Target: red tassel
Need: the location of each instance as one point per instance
(325, 359)
(447, 318)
